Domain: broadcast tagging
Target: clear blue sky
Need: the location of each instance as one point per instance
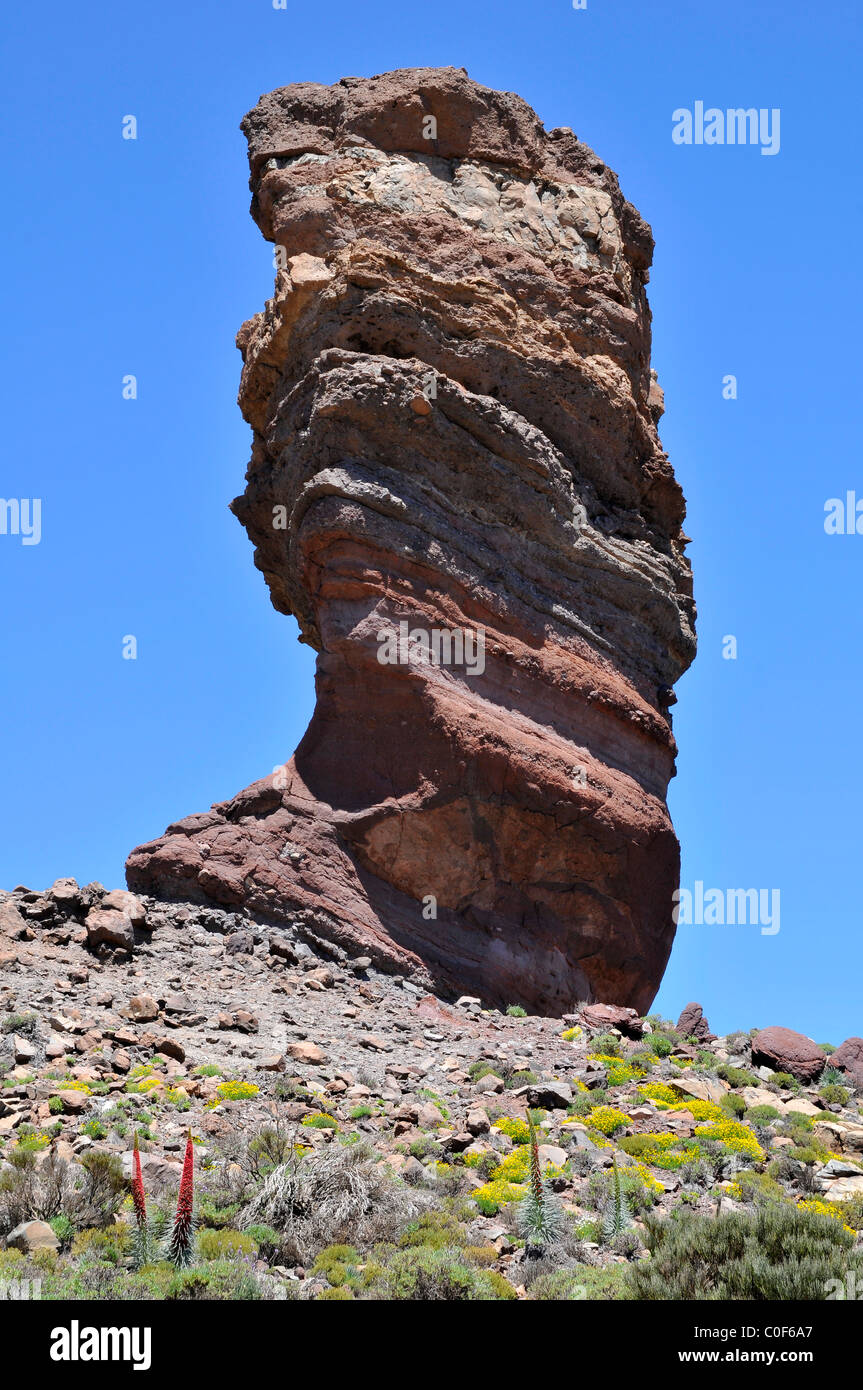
(140, 257)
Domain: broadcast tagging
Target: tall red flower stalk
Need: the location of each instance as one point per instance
(180, 1247)
(139, 1202)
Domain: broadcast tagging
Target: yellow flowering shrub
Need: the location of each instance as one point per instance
(833, 1209)
(701, 1109)
(571, 1034)
(498, 1191)
(658, 1092)
(733, 1136)
(606, 1119)
(618, 1072)
(649, 1181)
(517, 1129)
(515, 1167)
(140, 1070)
(238, 1090)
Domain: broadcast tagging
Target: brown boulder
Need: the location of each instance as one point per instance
(693, 1024)
(305, 1052)
(784, 1050)
(498, 828)
(116, 919)
(848, 1057)
(142, 1008)
(31, 1236)
(612, 1016)
(73, 1101)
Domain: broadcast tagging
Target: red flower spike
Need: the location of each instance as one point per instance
(180, 1249)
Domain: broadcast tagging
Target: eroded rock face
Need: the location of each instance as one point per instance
(454, 426)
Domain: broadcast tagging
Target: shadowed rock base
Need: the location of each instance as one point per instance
(455, 433)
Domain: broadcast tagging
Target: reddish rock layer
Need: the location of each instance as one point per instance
(454, 426)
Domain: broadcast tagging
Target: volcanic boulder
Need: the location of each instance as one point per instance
(458, 491)
(782, 1049)
(848, 1057)
(693, 1024)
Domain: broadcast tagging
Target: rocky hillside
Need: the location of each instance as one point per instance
(356, 1136)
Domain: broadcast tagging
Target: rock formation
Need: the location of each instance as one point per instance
(783, 1050)
(458, 491)
(848, 1057)
(693, 1024)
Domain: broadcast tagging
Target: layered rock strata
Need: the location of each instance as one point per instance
(458, 491)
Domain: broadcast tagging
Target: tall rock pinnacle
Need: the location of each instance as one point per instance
(457, 489)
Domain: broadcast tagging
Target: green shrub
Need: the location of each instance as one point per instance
(268, 1148)
(55, 1105)
(268, 1241)
(586, 1101)
(835, 1095)
(762, 1115)
(778, 1253)
(225, 1244)
(104, 1186)
(477, 1070)
(94, 1129)
(426, 1147)
(582, 1282)
(105, 1243)
(521, 1078)
(785, 1081)
(516, 1011)
(797, 1124)
(320, 1121)
(436, 1229)
(732, 1104)
(758, 1187)
(482, 1255)
(339, 1264)
(19, 1023)
(642, 1059)
(361, 1112)
(208, 1069)
(439, 1275)
(211, 1213)
(63, 1228)
(736, 1076)
(638, 1145)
